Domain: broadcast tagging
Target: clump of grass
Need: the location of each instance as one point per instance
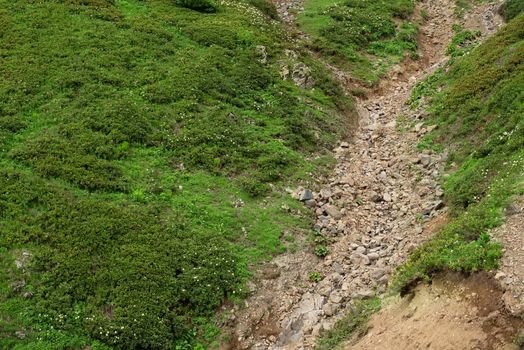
(321, 250)
(463, 41)
(519, 340)
(351, 324)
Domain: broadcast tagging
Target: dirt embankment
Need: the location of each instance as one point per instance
(453, 312)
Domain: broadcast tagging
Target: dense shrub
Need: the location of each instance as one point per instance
(140, 269)
(356, 35)
(511, 9)
(198, 5)
(85, 162)
(266, 6)
(358, 25)
(360, 22)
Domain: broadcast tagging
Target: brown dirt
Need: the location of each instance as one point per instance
(455, 312)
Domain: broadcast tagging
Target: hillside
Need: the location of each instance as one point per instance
(200, 174)
(145, 147)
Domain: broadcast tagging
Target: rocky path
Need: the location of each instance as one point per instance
(381, 202)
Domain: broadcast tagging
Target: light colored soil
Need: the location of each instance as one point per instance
(453, 313)
(382, 201)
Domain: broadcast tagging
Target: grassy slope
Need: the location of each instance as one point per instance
(478, 106)
(364, 37)
(134, 136)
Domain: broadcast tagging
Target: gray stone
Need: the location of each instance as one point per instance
(305, 195)
(301, 75)
(335, 297)
(310, 203)
(376, 198)
(378, 273)
(425, 159)
(326, 193)
(373, 256)
(333, 212)
(261, 53)
(361, 250)
(330, 309)
(364, 294)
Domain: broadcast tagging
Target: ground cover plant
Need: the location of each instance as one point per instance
(363, 37)
(143, 149)
(477, 105)
(511, 9)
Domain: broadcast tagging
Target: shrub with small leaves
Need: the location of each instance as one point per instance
(511, 9)
(198, 5)
(321, 251)
(315, 276)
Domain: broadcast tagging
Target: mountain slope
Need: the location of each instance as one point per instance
(138, 143)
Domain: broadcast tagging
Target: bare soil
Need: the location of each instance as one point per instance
(453, 312)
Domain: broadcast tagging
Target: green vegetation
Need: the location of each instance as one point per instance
(198, 5)
(463, 41)
(463, 6)
(519, 340)
(511, 9)
(364, 37)
(478, 106)
(143, 149)
(353, 323)
(315, 276)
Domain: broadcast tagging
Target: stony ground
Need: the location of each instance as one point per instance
(382, 200)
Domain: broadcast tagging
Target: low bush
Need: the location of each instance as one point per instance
(198, 5)
(266, 7)
(361, 32)
(511, 9)
(135, 137)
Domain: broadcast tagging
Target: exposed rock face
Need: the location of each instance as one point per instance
(301, 75)
(262, 53)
